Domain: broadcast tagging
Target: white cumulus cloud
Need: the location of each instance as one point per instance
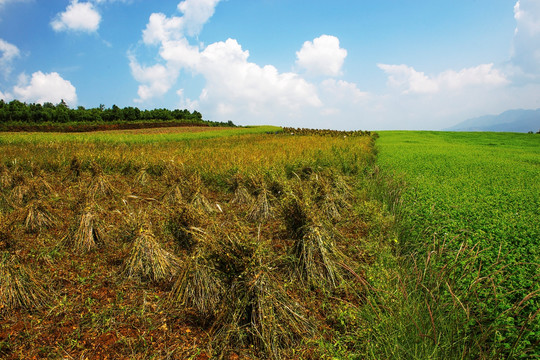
(322, 56)
(236, 88)
(9, 53)
(526, 13)
(43, 88)
(161, 28)
(342, 91)
(156, 79)
(526, 46)
(484, 74)
(5, 96)
(409, 80)
(233, 80)
(77, 17)
(196, 14)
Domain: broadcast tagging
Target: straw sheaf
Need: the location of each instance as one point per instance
(259, 313)
(147, 260)
(199, 286)
(89, 235)
(318, 257)
(18, 287)
(38, 217)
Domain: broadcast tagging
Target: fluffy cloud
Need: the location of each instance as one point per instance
(526, 46)
(5, 96)
(409, 80)
(77, 17)
(323, 56)
(526, 13)
(341, 98)
(342, 91)
(161, 28)
(42, 88)
(156, 79)
(196, 14)
(233, 83)
(232, 79)
(235, 87)
(9, 52)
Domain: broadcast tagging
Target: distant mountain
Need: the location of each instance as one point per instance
(511, 121)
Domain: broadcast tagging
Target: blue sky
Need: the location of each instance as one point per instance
(387, 64)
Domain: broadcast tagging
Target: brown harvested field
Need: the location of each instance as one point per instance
(165, 250)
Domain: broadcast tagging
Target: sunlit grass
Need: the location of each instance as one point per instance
(469, 212)
(119, 136)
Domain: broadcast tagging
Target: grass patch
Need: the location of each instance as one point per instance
(467, 244)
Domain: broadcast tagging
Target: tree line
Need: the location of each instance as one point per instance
(35, 113)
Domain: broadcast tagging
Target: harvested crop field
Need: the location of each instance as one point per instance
(164, 130)
(240, 246)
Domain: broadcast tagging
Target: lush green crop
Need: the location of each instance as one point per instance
(477, 191)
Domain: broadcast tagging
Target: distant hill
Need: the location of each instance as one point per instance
(511, 121)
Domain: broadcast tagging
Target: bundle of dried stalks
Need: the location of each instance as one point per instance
(199, 286)
(147, 260)
(173, 173)
(142, 177)
(333, 206)
(6, 238)
(29, 189)
(342, 186)
(75, 169)
(199, 201)
(88, 235)
(21, 194)
(317, 257)
(262, 209)
(100, 186)
(173, 196)
(41, 185)
(330, 193)
(18, 287)
(242, 196)
(295, 212)
(255, 311)
(6, 179)
(182, 221)
(260, 314)
(38, 217)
